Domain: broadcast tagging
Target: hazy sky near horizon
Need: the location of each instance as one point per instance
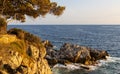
(83, 12)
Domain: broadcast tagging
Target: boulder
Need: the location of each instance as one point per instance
(52, 55)
(98, 54)
(72, 53)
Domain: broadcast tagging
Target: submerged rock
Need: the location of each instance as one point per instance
(22, 53)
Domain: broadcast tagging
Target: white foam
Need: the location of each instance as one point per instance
(74, 66)
(92, 67)
(108, 60)
(54, 47)
(59, 66)
(113, 59)
(68, 66)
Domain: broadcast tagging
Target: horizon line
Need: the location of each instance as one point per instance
(63, 24)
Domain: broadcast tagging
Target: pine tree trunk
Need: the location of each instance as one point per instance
(3, 26)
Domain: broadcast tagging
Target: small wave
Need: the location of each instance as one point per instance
(68, 66)
(54, 47)
(113, 59)
(75, 66)
(108, 60)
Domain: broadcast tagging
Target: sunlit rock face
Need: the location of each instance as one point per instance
(21, 55)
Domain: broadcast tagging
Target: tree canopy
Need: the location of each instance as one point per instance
(17, 9)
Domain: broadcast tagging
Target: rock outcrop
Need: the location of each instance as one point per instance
(22, 53)
(3, 26)
(71, 53)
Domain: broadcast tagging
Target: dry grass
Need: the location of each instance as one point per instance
(26, 36)
(7, 38)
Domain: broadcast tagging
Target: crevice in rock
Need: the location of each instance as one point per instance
(9, 69)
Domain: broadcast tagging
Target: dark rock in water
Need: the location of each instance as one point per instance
(52, 55)
(98, 54)
(72, 53)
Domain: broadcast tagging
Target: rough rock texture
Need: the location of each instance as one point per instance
(22, 55)
(71, 53)
(3, 26)
(74, 53)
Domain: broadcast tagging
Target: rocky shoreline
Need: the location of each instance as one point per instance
(25, 53)
(72, 53)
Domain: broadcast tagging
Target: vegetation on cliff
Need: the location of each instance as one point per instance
(3, 26)
(22, 55)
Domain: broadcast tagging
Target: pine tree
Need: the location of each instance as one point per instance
(17, 9)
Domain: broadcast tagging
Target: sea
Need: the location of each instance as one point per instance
(100, 37)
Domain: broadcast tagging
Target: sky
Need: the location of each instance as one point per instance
(82, 12)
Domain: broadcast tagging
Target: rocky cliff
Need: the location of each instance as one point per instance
(22, 53)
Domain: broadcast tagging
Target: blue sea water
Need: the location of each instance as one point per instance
(102, 37)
